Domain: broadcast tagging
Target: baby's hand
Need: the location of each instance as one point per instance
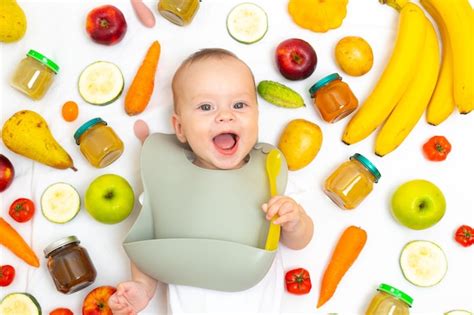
(130, 298)
(289, 212)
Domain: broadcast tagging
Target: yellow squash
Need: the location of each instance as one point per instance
(28, 134)
(316, 15)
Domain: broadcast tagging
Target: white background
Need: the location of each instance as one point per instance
(57, 29)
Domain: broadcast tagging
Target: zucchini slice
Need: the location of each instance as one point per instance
(247, 23)
(20, 303)
(60, 203)
(423, 263)
(101, 83)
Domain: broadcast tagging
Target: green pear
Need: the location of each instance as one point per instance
(12, 21)
(28, 134)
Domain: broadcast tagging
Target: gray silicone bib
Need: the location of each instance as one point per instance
(201, 227)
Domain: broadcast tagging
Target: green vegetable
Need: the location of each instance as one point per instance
(60, 203)
(423, 263)
(279, 94)
(247, 23)
(101, 83)
(19, 303)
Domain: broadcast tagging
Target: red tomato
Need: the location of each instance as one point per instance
(70, 111)
(437, 148)
(22, 210)
(298, 281)
(61, 311)
(7, 273)
(464, 235)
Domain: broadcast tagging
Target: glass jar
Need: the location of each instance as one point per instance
(333, 98)
(389, 301)
(98, 142)
(69, 265)
(349, 184)
(34, 75)
(180, 12)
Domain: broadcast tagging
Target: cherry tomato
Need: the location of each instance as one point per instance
(61, 311)
(22, 210)
(7, 273)
(464, 235)
(298, 281)
(70, 111)
(437, 148)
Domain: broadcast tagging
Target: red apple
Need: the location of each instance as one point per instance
(7, 172)
(106, 25)
(96, 302)
(296, 59)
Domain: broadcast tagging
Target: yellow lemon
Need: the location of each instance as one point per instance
(300, 143)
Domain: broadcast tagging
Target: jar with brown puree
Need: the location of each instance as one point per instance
(69, 265)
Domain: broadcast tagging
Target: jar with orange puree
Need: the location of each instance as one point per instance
(352, 181)
(98, 142)
(333, 98)
(389, 301)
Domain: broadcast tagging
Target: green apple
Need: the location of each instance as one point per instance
(418, 204)
(109, 199)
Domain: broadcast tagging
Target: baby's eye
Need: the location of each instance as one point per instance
(239, 105)
(205, 107)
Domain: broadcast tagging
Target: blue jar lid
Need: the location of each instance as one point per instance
(368, 165)
(87, 125)
(327, 79)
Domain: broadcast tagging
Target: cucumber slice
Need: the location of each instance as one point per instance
(458, 312)
(60, 203)
(423, 263)
(20, 303)
(101, 83)
(247, 23)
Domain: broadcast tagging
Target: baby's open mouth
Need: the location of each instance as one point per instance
(226, 142)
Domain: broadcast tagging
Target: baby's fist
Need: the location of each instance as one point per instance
(289, 212)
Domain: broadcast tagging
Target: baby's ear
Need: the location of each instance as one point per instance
(178, 127)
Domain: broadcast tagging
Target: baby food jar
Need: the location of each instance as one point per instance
(333, 98)
(69, 265)
(98, 142)
(34, 75)
(180, 12)
(389, 301)
(352, 182)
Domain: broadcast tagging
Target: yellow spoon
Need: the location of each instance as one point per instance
(273, 165)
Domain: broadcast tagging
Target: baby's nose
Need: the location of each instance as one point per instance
(225, 116)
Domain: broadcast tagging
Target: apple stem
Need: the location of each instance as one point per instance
(109, 195)
(296, 58)
(104, 23)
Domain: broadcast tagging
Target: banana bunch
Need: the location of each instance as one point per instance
(413, 80)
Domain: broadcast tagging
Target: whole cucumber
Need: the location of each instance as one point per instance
(279, 94)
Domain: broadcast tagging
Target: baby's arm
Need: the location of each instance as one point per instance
(296, 226)
(133, 296)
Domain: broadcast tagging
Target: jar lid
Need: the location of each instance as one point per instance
(59, 243)
(327, 79)
(44, 60)
(368, 165)
(87, 125)
(396, 293)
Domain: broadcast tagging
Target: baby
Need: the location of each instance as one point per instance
(216, 114)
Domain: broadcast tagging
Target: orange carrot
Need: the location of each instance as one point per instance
(139, 92)
(347, 249)
(10, 238)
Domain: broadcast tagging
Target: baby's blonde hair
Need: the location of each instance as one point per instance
(199, 55)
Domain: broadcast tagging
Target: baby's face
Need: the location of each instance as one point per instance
(217, 112)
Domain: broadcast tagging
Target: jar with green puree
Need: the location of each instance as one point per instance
(389, 301)
(34, 75)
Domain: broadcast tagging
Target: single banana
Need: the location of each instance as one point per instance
(457, 16)
(442, 102)
(413, 103)
(395, 78)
